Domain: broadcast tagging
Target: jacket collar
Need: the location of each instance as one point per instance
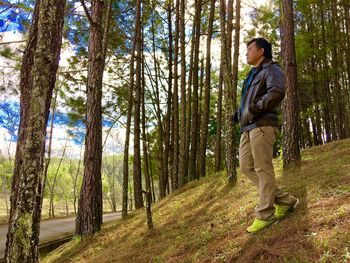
(264, 64)
(267, 62)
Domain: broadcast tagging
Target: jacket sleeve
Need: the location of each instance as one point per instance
(275, 91)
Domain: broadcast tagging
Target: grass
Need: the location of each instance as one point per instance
(205, 221)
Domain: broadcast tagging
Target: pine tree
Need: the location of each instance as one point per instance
(291, 150)
(37, 81)
(89, 218)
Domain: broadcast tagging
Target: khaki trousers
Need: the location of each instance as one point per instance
(255, 158)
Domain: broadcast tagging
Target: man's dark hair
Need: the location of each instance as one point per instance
(261, 42)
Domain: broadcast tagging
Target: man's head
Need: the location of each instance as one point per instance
(257, 50)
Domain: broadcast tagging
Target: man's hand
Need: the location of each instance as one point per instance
(254, 107)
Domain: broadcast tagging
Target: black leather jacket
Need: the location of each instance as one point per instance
(262, 98)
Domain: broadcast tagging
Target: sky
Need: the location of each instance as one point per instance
(116, 137)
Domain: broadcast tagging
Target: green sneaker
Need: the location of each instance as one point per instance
(260, 224)
(282, 211)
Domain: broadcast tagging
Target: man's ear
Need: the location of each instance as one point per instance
(261, 51)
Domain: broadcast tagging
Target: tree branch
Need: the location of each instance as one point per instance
(12, 42)
(87, 12)
(106, 26)
(2, 3)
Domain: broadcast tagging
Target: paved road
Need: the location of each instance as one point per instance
(53, 229)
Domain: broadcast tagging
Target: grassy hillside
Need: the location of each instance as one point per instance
(205, 221)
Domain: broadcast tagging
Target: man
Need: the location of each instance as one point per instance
(262, 92)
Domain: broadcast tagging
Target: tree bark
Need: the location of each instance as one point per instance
(144, 134)
(328, 108)
(192, 171)
(235, 81)
(148, 194)
(161, 181)
(165, 166)
(183, 160)
(137, 131)
(226, 43)
(205, 114)
(127, 138)
(38, 77)
(339, 103)
(127, 132)
(291, 150)
(175, 170)
(89, 218)
(218, 136)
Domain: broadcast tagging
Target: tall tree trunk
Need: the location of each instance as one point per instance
(127, 136)
(308, 134)
(192, 171)
(128, 128)
(165, 170)
(223, 54)
(291, 150)
(200, 111)
(346, 6)
(328, 108)
(183, 160)
(89, 218)
(175, 171)
(38, 77)
(144, 134)
(147, 192)
(161, 181)
(151, 172)
(312, 66)
(205, 115)
(137, 152)
(318, 139)
(235, 80)
(218, 137)
(338, 96)
(226, 43)
(231, 162)
(189, 99)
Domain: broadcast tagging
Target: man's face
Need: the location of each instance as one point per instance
(254, 54)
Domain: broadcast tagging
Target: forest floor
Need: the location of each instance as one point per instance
(206, 221)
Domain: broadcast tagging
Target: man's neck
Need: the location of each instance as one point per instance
(258, 63)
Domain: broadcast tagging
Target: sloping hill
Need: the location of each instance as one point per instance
(205, 221)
